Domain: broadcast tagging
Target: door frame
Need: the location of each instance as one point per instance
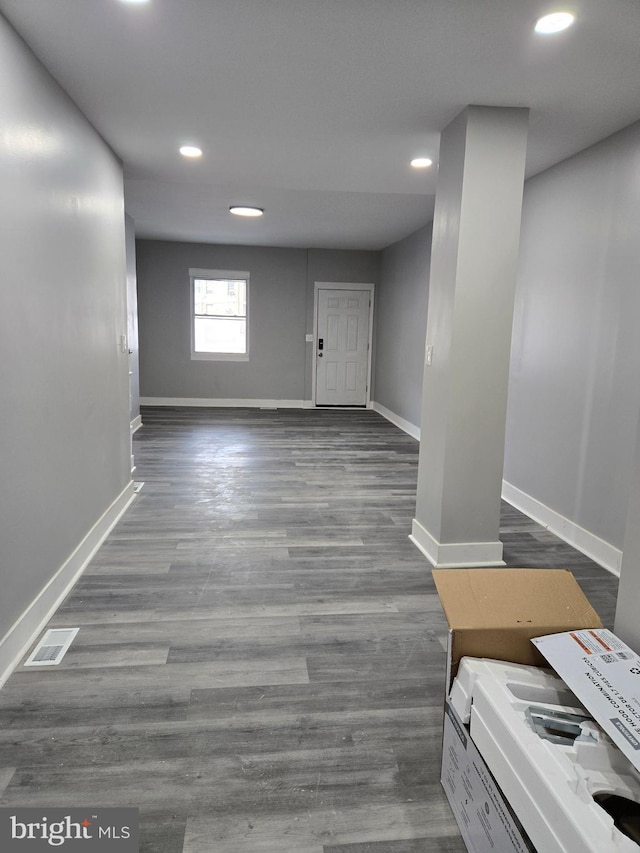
(342, 285)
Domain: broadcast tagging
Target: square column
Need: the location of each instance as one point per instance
(627, 624)
(474, 256)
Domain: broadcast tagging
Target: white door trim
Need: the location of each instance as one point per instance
(341, 285)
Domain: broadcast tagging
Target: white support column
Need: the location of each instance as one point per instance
(627, 624)
(476, 232)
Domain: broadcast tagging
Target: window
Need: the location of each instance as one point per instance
(219, 316)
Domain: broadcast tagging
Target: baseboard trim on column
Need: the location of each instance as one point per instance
(455, 555)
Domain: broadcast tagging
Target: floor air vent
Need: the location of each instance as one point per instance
(137, 487)
(52, 647)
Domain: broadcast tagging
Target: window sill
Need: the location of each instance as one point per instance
(219, 356)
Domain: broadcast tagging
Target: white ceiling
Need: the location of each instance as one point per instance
(312, 109)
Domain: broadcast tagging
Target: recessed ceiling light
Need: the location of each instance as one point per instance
(421, 162)
(554, 23)
(239, 210)
(190, 151)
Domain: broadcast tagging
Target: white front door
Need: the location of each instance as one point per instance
(342, 346)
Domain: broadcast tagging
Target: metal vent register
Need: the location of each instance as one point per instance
(52, 647)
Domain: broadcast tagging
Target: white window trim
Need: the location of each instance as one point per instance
(216, 274)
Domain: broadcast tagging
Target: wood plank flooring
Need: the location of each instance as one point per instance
(260, 660)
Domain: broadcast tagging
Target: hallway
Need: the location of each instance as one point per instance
(260, 660)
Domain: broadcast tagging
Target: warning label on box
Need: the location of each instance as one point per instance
(604, 673)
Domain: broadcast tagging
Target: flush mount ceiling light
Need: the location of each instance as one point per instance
(243, 210)
(421, 162)
(188, 150)
(134, 2)
(554, 23)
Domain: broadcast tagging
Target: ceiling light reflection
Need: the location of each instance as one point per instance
(191, 151)
(421, 162)
(243, 210)
(29, 141)
(554, 23)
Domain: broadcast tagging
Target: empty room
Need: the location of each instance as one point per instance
(303, 302)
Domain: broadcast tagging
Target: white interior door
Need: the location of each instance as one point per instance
(342, 346)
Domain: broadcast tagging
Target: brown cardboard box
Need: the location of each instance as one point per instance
(494, 613)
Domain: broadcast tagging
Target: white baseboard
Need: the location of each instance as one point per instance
(220, 403)
(601, 552)
(455, 555)
(136, 423)
(396, 420)
(17, 641)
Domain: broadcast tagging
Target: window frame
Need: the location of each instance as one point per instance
(218, 275)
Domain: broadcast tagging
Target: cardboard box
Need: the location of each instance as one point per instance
(486, 821)
(494, 613)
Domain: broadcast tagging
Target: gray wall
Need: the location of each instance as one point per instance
(64, 420)
(281, 296)
(574, 390)
(401, 322)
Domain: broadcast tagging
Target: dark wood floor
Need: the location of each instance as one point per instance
(260, 659)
